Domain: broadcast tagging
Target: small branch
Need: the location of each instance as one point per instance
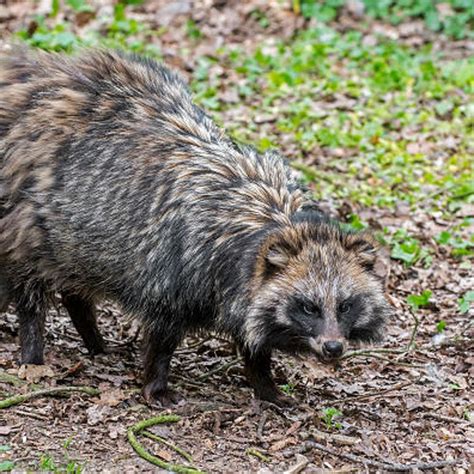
(386, 465)
(411, 343)
(257, 454)
(191, 347)
(50, 392)
(219, 369)
(261, 426)
(161, 440)
(337, 438)
(127, 342)
(401, 352)
(144, 454)
(31, 414)
(450, 419)
(397, 386)
(394, 361)
(369, 352)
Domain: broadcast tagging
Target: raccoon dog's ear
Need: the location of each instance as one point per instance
(277, 251)
(369, 253)
(277, 256)
(365, 247)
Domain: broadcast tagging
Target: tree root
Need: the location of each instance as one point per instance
(385, 465)
(48, 392)
(172, 446)
(144, 454)
(10, 379)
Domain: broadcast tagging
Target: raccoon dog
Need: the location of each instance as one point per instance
(115, 185)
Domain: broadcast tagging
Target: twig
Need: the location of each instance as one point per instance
(299, 466)
(397, 386)
(368, 352)
(49, 392)
(219, 369)
(261, 426)
(387, 465)
(395, 361)
(32, 415)
(411, 343)
(161, 440)
(451, 419)
(144, 454)
(337, 438)
(185, 381)
(127, 342)
(401, 352)
(191, 347)
(257, 454)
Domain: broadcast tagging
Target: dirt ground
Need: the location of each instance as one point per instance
(374, 411)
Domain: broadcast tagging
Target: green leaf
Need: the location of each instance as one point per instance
(444, 107)
(441, 326)
(417, 301)
(55, 7)
(6, 466)
(328, 416)
(466, 301)
(79, 6)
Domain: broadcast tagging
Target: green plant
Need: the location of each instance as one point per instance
(324, 11)
(329, 417)
(192, 30)
(419, 301)
(441, 326)
(261, 17)
(459, 247)
(354, 223)
(452, 17)
(466, 302)
(6, 466)
(408, 249)
(46, 463)
(288, 388)
(79, 6)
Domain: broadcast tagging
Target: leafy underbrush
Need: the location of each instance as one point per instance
(453, 17)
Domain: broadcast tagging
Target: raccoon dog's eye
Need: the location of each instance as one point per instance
(345, 307)
(310, 309)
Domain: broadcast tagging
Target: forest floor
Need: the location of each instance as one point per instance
(379, 121)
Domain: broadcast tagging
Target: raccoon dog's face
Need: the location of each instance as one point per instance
(318, 291)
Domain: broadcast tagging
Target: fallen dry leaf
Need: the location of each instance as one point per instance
(34, 373)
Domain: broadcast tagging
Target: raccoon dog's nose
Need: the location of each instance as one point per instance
(333, 349)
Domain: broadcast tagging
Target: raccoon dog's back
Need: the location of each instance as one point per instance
(109, 165)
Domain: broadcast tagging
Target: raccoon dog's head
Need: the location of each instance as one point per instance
(317, 290)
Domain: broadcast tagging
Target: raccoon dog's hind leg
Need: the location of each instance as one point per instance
(5, 293)
(32, 305)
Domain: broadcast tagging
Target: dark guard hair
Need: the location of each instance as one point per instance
(115, 185)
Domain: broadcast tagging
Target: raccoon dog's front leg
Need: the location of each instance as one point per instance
(160, 344)
(82, 313)
(259, 375)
